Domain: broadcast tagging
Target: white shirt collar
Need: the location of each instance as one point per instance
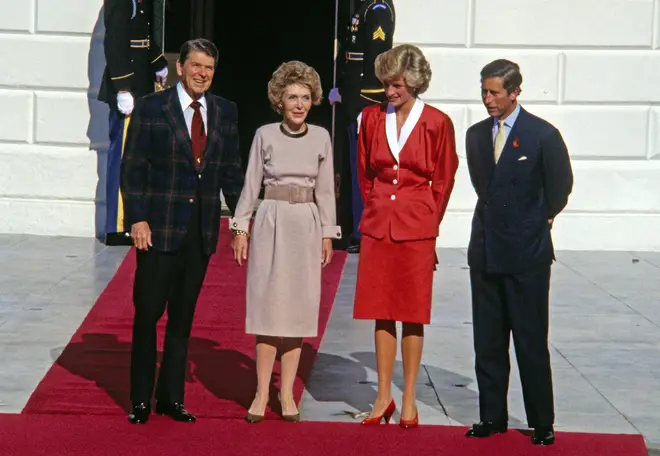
(185, 99)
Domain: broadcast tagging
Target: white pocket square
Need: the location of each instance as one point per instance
(522, 158)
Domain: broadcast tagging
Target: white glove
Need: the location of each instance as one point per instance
(161, 76)
(333, 96)
(125, 103)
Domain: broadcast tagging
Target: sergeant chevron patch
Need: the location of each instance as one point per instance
(379, 34)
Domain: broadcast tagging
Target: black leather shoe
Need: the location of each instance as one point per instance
(486, 429)
(139, 414)
(176, 411)
(544, 435)
(354, 248)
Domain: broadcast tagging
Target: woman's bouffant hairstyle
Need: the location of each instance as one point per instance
(408, 61)
(294, 72)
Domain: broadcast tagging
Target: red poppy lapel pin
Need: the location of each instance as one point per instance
(516, 142)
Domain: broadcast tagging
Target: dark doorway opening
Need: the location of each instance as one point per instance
(253, 39)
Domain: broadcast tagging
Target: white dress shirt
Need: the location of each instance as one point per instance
(188, 111)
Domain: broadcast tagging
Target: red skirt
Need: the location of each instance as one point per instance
(395, 280)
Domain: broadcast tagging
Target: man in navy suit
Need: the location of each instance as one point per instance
(181, 151)
(520, 169)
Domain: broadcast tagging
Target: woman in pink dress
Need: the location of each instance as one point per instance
(292, 233)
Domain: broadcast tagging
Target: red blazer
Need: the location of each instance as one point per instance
(405, 183)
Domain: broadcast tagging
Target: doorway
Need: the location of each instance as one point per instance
(253, 39)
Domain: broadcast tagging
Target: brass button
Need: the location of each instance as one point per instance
(191, 200)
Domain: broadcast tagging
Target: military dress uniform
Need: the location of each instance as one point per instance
(132, 59)
(369, 34)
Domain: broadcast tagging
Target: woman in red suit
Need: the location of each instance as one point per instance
(406, 166)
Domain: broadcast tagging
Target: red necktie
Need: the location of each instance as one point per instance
(197, 133)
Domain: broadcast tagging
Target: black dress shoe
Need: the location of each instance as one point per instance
(139, 414)
(544, 435)
(354, 248)
(176, 411)
(486, 429)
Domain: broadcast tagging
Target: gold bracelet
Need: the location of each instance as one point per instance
(240, 233)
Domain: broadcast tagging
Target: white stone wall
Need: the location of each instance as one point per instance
(590, 67)
(53, 132)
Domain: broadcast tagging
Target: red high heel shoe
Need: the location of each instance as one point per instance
(409, 424)
(387, 414)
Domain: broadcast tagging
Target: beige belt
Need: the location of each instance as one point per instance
(291, 194)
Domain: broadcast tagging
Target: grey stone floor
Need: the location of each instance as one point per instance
(605, 348)
(605, 336)
(47, 286)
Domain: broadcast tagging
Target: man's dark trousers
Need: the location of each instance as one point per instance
(163, 280)
(114, 221)
(512, 303)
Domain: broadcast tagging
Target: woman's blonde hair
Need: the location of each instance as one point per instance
(294, 72)
(404, 60)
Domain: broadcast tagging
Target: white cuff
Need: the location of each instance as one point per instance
(239, 225)
(332, 232)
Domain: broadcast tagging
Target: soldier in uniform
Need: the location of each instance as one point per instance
(134, 63)
(369, 34)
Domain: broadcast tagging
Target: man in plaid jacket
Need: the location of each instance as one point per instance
(181, 152)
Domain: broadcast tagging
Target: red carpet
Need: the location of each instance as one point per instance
(35, 435)
(64, 416)
(91, 376)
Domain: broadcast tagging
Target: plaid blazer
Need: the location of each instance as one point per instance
(159, 180)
